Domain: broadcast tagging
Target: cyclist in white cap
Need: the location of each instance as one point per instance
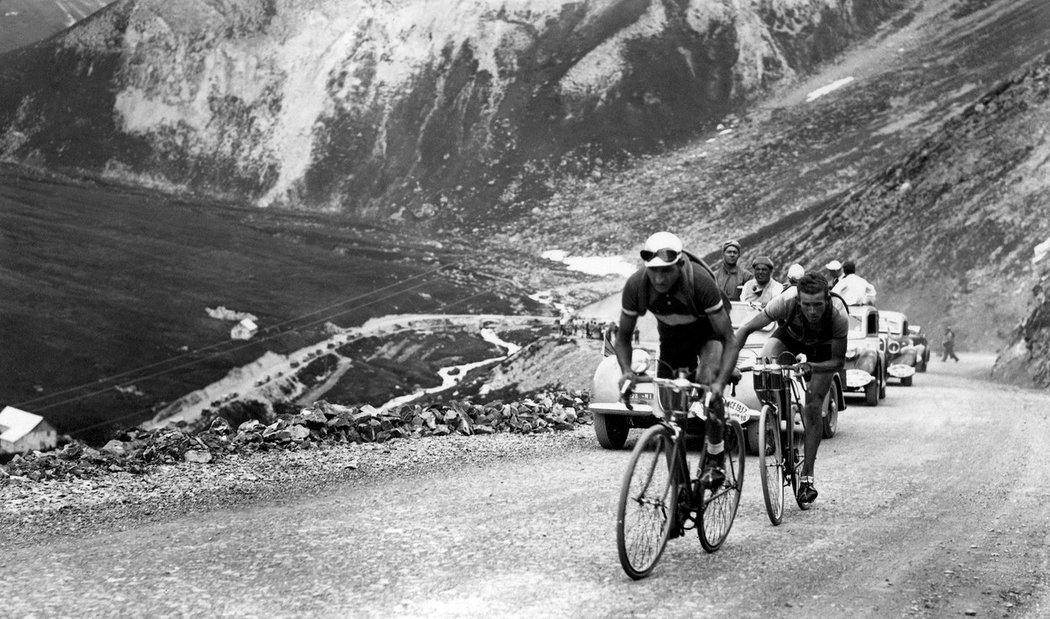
(693, 324)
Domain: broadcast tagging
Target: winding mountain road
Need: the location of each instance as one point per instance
(932, 504)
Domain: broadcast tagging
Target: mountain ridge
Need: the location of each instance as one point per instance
(410, 109)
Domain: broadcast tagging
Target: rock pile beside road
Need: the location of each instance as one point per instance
(136, 449)
(268, 463)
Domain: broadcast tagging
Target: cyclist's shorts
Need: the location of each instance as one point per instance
(680, 346)
(821, 351)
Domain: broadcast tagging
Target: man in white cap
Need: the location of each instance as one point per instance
(730, 277)
(834, 272)
(795, 273)
(853, 288)
(693, 324)
(761, 288)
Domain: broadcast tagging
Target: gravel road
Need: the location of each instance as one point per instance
(932, 505)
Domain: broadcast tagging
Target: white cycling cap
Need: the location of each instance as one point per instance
(796, 271)
(662, 249)
(834, 265)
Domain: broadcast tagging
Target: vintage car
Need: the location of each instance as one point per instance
(865, 355)
(922, 347)
(901, 354)
(613, 420)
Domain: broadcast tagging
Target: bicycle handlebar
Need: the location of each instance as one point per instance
(799, 365)
(678, 385)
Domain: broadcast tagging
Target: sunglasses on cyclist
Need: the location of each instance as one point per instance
(667, 255)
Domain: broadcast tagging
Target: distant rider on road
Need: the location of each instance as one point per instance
(693, 324)
(811, 321)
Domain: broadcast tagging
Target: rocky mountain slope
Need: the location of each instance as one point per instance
(27, 21)
(967, 208)
(397, 108)
(904, 168)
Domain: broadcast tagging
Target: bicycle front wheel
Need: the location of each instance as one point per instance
(771, 459)
(648, 499)
(718, 508)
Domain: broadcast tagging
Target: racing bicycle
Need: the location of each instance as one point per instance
(781, 387)
(660, 498)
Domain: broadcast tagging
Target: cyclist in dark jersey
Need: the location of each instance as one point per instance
(693, 324)
(811, 321)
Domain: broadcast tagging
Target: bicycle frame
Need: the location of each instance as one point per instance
(787, 387)
(684, 399)
(654, 508)
(781, 389)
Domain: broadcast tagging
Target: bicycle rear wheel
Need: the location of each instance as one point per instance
(719, 505)
(797, 428)
(648, 499)
(771, 459)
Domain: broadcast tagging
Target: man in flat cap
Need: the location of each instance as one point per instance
(730, 277)
(761, 288)
(834, 272)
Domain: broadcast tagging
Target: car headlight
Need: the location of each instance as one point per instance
(641, 360)
(894, 347)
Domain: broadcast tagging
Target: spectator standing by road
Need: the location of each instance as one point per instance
(762, 287)
(729, 277)
(853, 288)
(834, 273)
(949, 345)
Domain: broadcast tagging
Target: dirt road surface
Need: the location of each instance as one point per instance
(932, 504)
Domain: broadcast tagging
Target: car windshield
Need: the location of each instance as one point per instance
(856, 326)
(890, 324)
(740, 313)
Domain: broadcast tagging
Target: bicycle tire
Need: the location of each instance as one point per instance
(798, 451)
(771, 461)
(648, 500)
(719, 505)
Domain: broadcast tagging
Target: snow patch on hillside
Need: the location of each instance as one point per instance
(832, 87)
(592, 265)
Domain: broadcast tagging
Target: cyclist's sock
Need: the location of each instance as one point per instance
(716, 448)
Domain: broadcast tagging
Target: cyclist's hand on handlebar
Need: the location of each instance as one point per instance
(626, 383)
(716, 388)
(805, 369)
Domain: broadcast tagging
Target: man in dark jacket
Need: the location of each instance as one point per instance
(730, 277)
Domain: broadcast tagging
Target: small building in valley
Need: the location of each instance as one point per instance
(21, 432)
(244, 330)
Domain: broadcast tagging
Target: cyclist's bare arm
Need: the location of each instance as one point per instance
(623, 346)
(837, 361)
(736, 344)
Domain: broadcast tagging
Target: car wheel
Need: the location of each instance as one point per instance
(751, 438)
(831, 412)
(611, 430)
(871, 395)
(906, 381)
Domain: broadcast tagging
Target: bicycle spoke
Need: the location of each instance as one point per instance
(720, 504)
(647, 503)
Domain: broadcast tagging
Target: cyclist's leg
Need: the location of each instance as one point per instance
(773, 347)
(818, 388)
(710, 359)
(713, 462)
